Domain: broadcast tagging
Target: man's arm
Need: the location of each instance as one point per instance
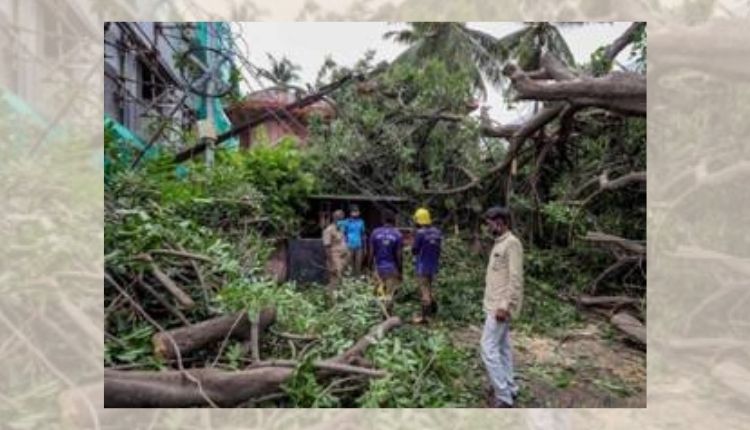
(370, 252)
(515, 265)
(515, 279)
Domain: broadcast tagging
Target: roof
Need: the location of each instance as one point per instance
(358, 197)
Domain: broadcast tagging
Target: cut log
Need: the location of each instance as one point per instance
(607, 301)
(199, 335)
(206, 387)
(631, 326)
(173, 389)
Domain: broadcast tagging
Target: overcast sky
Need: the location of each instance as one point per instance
(308, 44)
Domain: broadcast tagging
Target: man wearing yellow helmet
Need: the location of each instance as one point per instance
(426, 249)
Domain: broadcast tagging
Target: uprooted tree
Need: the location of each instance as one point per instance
(576, 164)
(191, 320)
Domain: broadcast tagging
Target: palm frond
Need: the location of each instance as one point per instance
(557, 44)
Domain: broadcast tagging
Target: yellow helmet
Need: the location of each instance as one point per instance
(422, 216)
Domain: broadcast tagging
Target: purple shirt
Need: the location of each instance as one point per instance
(426, 250)
(386, 245)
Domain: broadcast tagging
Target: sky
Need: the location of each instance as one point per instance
(308, 43)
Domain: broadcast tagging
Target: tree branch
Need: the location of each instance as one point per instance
(621, 42)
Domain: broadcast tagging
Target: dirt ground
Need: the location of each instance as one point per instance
(588, 367)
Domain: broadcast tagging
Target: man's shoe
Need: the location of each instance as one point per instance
(422, 319)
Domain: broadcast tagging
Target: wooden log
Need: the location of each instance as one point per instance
(207, 387)
(173, 389)
(190, 338)
(631, 326)
(606, 301)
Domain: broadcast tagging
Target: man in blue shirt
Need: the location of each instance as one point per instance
(354, 229)
(426, 249)
(386, 244)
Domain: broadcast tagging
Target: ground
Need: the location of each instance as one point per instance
(587, 367)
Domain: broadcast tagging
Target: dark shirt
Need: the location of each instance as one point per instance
(386, 245)
(426, 250)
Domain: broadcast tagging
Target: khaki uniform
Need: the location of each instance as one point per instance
(337, 253)
(504, 280)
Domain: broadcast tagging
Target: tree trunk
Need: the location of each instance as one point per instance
(208, 387)
(173, 389)
(190, 338)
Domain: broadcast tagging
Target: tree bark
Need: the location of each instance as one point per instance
(196, 336)
(627, 245)
(624, 92)
(621, 42)
(631, 326)
(607, 301)
(173, 389)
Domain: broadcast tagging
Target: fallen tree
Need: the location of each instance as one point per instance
(196, 336)
(221, 388)
(563, 90)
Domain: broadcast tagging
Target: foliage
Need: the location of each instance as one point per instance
(282, 71)
(426, 370)
(390, 142)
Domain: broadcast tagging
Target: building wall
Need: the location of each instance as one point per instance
(139, 88)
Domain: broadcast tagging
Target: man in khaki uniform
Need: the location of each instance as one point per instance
(336, 251)
(503, 295)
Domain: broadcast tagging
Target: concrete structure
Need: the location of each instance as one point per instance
(284, 124)
(143, 82)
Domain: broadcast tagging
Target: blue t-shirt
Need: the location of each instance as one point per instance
(426, 250)
(386, 244)
(354, 229)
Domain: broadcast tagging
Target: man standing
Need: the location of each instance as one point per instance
(426, 250)
(336, 251)
(355, 239)
(386, 249)
(503, 296)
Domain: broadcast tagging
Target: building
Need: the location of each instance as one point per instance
(286, 123)
(148, 79)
